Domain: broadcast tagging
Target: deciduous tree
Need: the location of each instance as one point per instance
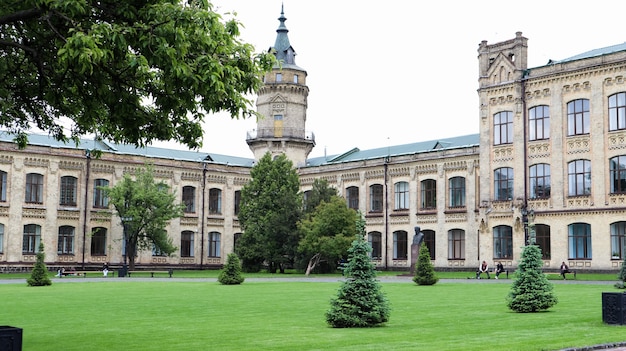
(271, 206)
(327, 235)
(145, 208)
(130, 71)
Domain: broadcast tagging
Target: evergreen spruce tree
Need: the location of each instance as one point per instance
(424, 272)
(360, 301)
(231, 274)
(531, 291)
(622, 272)
(39, 275)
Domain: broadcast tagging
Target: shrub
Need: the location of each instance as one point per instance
(424, 272)
(231, 274)
(39, 275)
(360, 301)
(531, 291)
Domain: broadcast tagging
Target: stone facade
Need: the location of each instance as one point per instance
(475, 201)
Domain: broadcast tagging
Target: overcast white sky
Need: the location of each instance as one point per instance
(412, 65)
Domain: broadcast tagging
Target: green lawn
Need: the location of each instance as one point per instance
(200, 315)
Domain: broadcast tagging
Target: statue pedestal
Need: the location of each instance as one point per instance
(415, 251)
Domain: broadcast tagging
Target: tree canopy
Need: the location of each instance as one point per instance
(271, 206)
(130, 71)
(320, 192)
(145, 207)
(327, 235)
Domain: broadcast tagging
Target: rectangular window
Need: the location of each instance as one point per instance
(99, 240)
(279, 77)
(237, 202)
(68, 192)
(429, 194)
(617, 111)
(3, 186)
(34, 188)
(503, 242)
(100, 199)
(1, 238)
(579, 177)
(65, 242)
(295, 78)
(540, 181)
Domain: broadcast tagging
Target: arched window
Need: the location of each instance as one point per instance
(3, 186)
(401, 190)
(539, 123)
(539, 179)
(34, 188)
(186, 243)
(618, 240)
(100, 199)
(189, 199)
(617, 111)
(456, 244)
(31, 239)
(503, 128)
(375, 240)
(429, 241)
(98, 242)
(400, 251)
(503, 183)
(352, 197)
(376, 198)
(214, 244)
(215, 201)
(578, 117)
(579, 176)
(579, 235)
(457, 191)
(65, 242)
(617, 172)
(542, 239)
(503, 242)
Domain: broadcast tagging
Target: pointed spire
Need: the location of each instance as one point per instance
(284, 51)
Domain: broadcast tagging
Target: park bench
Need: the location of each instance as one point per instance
(152, 273)
(571, 271)
(492, 272)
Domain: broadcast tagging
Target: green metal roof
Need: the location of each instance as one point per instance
(593, 53)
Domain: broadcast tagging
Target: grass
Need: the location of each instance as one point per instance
(278, 315)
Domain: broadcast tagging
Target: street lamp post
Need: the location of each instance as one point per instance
(124, 270)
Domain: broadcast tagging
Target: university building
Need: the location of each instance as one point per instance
(548, 166)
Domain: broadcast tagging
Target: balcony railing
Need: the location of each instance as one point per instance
(286, 133)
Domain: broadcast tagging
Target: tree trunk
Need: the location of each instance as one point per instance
(312, 263)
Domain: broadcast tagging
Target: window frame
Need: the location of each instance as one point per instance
(375, 241)
(539, 123)
(376, 198)
(401, 195)
(579, 177)
(617, 174)
(578, 117)
(189, 198)
(98, 244)
(456, 188)
(503, 186)
(215, 201)
(31, 237)
(65, 240)
(352, 197)
(400, 245)
(579, 241)
(3, 186)
(68, 192)
(428, 192)
(503, 242)
(100, 199)
(214, 244)
(618, 239)
(33, 193)
(617, 111)
(538, 179)
(503, 128)
(456, 244)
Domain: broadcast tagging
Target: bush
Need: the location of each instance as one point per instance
(359, 302)
(531, 291)
(39, 275)
(231, 274)
(424, 270)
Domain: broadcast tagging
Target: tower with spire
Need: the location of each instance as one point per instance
(282, 103)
